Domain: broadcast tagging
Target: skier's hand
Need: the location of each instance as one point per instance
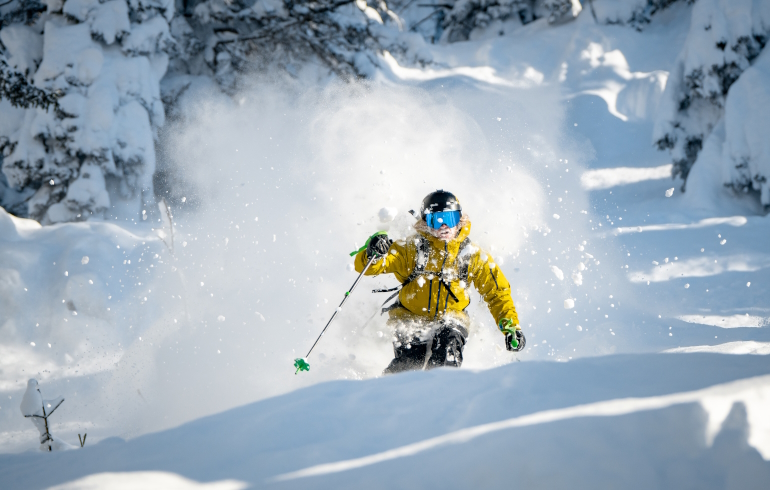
(514, 337)
(378, 244)
(520, 339)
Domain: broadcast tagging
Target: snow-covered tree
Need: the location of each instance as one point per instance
(456, 20)
(634, 13)
(226, 38)
(465, 16)
(15, 85)
(725, 37)
(104, 60)
(746, 150)
(16, 88)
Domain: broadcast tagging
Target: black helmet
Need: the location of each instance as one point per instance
(438, 201)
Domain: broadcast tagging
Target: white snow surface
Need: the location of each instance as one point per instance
(741, 347)
(171, 395)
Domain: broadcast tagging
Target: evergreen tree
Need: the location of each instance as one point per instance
(104, 61)
(723, 42)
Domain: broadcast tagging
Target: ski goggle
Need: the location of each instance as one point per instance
(437, 220)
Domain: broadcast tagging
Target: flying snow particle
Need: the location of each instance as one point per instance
(556, 216)
(670, 192)
(274, 238)
(84, 260)
(748, 284)
(221, 318)
(579, 328)
(201, 283)
(687, 286)
(32, 344)
(569, 303)
(184, 199)
(350, 267)
(184, 244)
(421, 281)
(499, 119)
(723, 242)
(387, 214)
(557, 272)
(577, 278)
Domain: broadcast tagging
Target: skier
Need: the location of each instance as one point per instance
(435, 266)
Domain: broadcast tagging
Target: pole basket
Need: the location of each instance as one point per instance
(301, 365)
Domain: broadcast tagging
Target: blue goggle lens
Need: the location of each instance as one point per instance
(437, 220)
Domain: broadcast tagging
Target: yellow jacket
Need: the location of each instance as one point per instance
(427, 295)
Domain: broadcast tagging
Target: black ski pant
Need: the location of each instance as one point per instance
(445, 349)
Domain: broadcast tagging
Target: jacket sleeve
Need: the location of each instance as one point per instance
(493, 287)
(394, 262)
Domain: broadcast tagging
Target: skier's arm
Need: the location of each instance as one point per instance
(392, 262)
(494, 288)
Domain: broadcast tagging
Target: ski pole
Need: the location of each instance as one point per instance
(301, 363)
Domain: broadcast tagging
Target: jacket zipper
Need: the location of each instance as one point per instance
(440, 277)
(430, 294)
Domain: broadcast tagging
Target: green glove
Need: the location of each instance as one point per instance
(356, 252)
(514, 337)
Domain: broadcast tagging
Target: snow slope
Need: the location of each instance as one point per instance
(633, 421)
(545, 134)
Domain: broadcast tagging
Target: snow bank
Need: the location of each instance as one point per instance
(659, 420)
(80, 301)
(740, 348)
